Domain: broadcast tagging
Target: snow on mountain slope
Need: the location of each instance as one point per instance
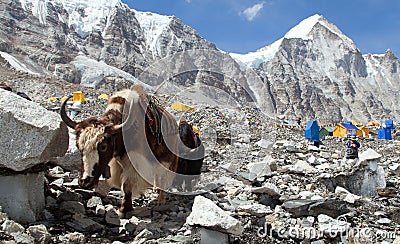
(93, 72)
(303, 30)
(84, 15)
(254, 59)
(38, 8)
(153, 26)
(16, 64)
(375, 69)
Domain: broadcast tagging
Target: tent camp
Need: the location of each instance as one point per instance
(79, 97)
(384, 134)
(326, 131)
(343, 129)
(311, 131)
(178, 106)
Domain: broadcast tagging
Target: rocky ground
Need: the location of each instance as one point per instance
(266, 184)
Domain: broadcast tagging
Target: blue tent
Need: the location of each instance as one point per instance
(385, 134)
(351, 129)
(311, 132)
(389, 124)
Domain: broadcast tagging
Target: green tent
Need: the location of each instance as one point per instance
(326, 131)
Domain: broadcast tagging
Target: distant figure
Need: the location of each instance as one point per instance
(7, 88)
(21, 94)
(352, 148)
(298, 119)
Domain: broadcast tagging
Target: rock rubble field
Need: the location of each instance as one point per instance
(260, 183)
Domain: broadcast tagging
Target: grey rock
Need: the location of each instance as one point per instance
(39, 232)
(59, 183)
(369, 155)
(308, 207)
(259, 169)
(182, 239)
(57, 172)
(255, 209)
(384, 221)
(267, 188)
(210, 236)
(70, 196)
(205, 213)
(94, 202)
(100, 210)
(10, 226)
(83, 224)
(300, 167)
(112, 216)
(24, 238)
(22, 196)
(299, 207)
(72, 207)
(3, 217)
(363, 181)
(143, 236)
(331, 207)
(74, 237)
(34, 134)
(128, 226)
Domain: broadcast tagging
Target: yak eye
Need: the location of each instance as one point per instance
(102, 147)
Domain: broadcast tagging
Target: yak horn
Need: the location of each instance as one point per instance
(64, 116)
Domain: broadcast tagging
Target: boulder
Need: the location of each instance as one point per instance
(30, 133)
(22, 196)
(207, 214)
(364, 180)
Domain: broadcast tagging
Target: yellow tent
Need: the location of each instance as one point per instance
(79, 97)
(103, 96)
(182, 107)
(340, 131)
(363, 132)
(52, 99)
(343, 129)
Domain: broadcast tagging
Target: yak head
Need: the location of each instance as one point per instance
(97, 141)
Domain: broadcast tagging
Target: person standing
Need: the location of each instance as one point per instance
(352, 148)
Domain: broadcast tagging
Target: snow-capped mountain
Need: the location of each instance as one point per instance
(317, 71)
(314, 70)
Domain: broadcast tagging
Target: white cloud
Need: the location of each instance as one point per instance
(188, 1)
(251, 12)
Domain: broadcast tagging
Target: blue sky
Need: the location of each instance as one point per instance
(243, 26)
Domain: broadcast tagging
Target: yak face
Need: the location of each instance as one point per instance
(96, 142)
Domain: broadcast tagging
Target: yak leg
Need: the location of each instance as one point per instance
(161, 197)
(126, 203)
